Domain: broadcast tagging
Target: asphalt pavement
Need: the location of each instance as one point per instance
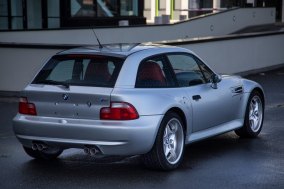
(225, 161)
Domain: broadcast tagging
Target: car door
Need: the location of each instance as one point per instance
(211, 106)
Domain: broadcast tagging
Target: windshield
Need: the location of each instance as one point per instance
(80, 70)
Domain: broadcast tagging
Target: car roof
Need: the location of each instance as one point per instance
(117, 50)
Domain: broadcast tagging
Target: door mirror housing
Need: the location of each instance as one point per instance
(215, 78)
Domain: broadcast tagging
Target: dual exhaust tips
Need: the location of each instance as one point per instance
(91, 150)
(39, 146)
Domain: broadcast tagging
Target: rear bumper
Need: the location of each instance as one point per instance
(111, 137)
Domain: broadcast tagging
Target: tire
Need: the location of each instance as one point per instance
(168, 149)
(254, 116)
(46, 154)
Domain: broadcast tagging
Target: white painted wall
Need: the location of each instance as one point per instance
(18, 65)
(215, 25)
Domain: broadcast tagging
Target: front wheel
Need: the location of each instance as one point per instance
(167, 152)
(254, 116)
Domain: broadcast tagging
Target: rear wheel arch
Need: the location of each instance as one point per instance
(167, 151)
(260, 91)
(182, 116)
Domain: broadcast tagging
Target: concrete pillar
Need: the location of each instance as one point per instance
(150, 10)
(184, 5)
(168, 7)
(153, 9)
(216, 5)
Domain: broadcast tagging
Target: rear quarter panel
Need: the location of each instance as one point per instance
(156, 101)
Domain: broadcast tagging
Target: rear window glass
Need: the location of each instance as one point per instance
(80, 70)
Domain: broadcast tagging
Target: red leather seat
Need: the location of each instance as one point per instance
(97, 72)
(150, 72)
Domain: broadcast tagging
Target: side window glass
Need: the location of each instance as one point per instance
(186, 69)
(206, 71)
(154, 73)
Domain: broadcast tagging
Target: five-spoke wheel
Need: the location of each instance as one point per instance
(255, 113)
(173, 141)
(167, 151)
(254, 116)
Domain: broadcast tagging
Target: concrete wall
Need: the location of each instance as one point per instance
(18, 66)
(230, 54)
(241, 54)
(214, 25)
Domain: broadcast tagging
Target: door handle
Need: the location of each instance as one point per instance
(196, 97)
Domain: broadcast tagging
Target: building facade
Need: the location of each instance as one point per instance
(43, 14)
(48, 14)
(183, 9)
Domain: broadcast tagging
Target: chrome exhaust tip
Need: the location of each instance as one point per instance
(41, 147)
(34, 146)
(87, 150)
(93, 151)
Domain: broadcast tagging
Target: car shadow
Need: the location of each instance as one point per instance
(74, 169)
(227, 147)
(76, 162)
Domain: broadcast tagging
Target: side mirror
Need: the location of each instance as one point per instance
(215, 78)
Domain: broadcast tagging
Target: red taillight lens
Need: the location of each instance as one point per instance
(119, 111)
(26, 108)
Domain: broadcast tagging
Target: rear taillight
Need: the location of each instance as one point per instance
(26, 108)
(119, 111)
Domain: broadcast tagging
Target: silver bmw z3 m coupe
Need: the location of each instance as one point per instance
(133, 99)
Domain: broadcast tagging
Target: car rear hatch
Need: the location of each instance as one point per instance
(74, 86)
(77, 102)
